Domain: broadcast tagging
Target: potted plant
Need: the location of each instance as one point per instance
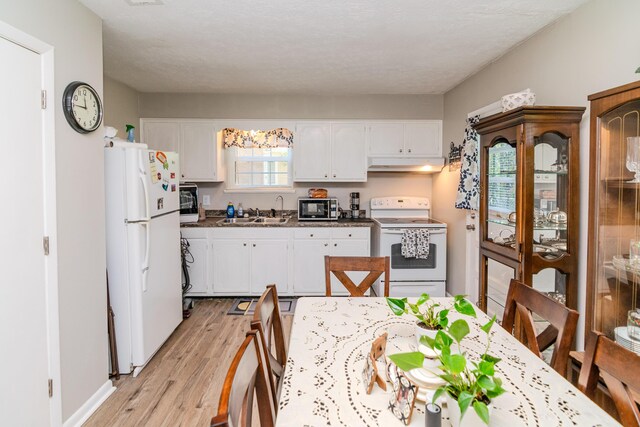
(469, 383)
(431, 315)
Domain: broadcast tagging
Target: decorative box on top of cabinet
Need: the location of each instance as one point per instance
(196, 141)
(613, 279)
(529, 203)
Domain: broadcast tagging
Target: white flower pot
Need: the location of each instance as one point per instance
(470, 419)
(423, 348)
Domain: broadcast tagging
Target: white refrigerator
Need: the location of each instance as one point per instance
(143, 249)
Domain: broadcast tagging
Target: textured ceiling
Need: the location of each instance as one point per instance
(313, 47)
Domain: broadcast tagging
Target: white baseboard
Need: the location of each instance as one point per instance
(90, 406)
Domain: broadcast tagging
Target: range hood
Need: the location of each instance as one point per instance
(405, 164)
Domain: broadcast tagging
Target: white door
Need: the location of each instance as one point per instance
(423, 139)
(348, 152)
(197, 269)
(311, 152)
(24, 398)
(231, 266)
(163, 136)
(308, 266)
(269, 264)
(386, 139)
(198, 152)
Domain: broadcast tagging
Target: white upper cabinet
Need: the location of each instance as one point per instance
(325, 151)
(195, 140)
(311, 151)
(417, 138)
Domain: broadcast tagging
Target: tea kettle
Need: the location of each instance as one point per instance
(557, 217)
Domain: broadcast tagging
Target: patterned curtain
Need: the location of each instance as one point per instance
(469, 186)
(279, 137)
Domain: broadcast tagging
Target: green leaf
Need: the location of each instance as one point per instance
(486, 383)
(443, 323)
(638, 70)
(423, 298)
(487, 368)
(442, 340)
(486, 328)
(489, 358)
(482, 411)
(463, 306)
(397, 305)
(414, 308)
(459, 329)
(443, 314)
(408, 361)
(455, 363)
(428, 341)
(496, 392)
(439, 392)
(464, 400)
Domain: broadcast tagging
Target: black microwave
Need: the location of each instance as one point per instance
(318, 209)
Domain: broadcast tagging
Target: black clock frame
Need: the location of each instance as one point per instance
(67, 106)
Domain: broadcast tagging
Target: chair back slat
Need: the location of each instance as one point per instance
(524, 300)
(339, 266)
(620, 370)
(246, 377)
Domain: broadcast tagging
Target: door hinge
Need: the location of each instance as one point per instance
(50, 387)
(45, 244)
(43, 99)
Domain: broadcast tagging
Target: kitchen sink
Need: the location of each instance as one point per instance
(263, 220)
(236, 221)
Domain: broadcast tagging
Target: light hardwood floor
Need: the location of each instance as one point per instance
(181, 385)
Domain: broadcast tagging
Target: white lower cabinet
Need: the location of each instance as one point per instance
(245, 261)
(310, 247)
(197, 261)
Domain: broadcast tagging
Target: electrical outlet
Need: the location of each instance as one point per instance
(206, 200)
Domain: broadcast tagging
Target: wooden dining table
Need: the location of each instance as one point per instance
(331, 336)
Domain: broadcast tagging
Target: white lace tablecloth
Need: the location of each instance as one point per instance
(323, 378)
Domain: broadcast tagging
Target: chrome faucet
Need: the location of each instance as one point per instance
(281, 205)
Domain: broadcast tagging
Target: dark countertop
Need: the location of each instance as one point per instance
(293, 222)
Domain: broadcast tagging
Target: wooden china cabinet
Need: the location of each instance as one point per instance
(614, 212)
(529, 203)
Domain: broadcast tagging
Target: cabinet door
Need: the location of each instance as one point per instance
(386, 139)
(199, 280)
(423, 139)
(162, 136)
(198, 152)
(344, 247)
(348, 152)
(269, 264)
(311, 152)
(308, 266)
(231, 267)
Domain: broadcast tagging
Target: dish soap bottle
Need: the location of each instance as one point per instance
(230, 210)
(240, 210)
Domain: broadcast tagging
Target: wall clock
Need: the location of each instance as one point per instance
(82, 107)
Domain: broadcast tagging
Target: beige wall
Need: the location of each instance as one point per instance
(593, 49)
(218, 106)
(222, 106)
(120, 107)
(76, 35)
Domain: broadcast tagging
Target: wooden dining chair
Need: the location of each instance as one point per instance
(524, 300)
(376, 266)
(247, 376)
(620, 370)
(268, 322)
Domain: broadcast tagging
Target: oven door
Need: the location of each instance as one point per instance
(413, 269)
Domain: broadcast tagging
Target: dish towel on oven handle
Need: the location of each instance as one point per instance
(415, 243)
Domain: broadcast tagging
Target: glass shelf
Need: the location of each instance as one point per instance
(508, 173)
(543, 172)
(541, 227)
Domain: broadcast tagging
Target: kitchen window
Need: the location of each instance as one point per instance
(258, 168)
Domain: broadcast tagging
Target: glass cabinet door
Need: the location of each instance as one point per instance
(501, 202)
(550, 195)
(617, 222)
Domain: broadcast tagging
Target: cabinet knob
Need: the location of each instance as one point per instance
(409, 150)
(401, 150)
(349, 234)
(311, 235)
(335, 244)
(334, 175)
(326, 175)
(326, 244)
(244, 244)
(254, 245)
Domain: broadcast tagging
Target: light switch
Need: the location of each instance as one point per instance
(206, 200)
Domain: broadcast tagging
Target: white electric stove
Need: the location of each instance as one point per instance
(409, 276)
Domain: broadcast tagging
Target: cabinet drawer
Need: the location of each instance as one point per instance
(351, 233)
(312, 233)
(194, 232)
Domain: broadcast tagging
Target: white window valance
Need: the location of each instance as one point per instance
(280, 137)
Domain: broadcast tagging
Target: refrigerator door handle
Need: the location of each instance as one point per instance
(145, 189)
(145, 263)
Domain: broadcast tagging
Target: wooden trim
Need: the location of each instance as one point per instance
(614, 91)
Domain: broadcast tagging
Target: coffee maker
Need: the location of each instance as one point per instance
(354, 200)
